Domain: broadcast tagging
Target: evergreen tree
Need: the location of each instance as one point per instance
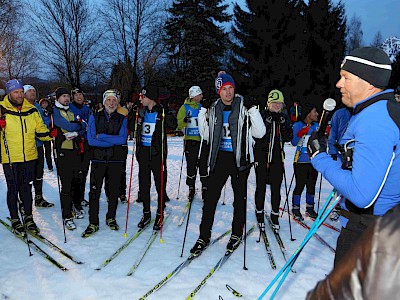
(395, 79)
(195, 43)
(123, 78)
(326, 25)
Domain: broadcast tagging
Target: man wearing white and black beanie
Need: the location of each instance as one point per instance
(368, 178)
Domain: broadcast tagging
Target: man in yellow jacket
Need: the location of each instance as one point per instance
(20, 124)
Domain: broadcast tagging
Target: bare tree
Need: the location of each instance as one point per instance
(68, 35)
(355, 34)
(377, 41)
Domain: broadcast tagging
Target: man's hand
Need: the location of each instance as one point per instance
(71, 135)
(187, 119)
(316, 145)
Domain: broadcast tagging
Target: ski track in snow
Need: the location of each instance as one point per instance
(32, 277)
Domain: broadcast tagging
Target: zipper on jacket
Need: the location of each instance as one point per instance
(23, 136)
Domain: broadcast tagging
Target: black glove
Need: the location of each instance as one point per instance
(334, 156)
(187, 119)
(316, 145)
(206, 103)
(249, 102)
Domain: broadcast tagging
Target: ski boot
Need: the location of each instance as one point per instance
(233, 243)
(123, 199)
(18, 228)
(199, 247)
(69, 224)
(41, 202)
(90, 230)
(275, 221)
(78, 213)
(30, 225)
(310, 212)
(296, 213)
(158, 223)
(112, 223)
(146, 218)
(260, 219)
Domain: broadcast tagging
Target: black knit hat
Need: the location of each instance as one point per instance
(371, 64)
(308, 107)
(151, 92)
(76, 91)
(61, 91)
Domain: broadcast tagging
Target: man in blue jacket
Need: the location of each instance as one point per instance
(106, 134)
(369, 178)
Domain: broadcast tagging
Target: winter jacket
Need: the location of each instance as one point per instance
(106, 135)
(374, 178)
(39, 143)
(22, 128)
(82, 111)
(301, 142)
(339, 122)
(65, 121)
(371, 270)
(183, 112)
(243, 125)
(156, 146)
(278, 131)
(47, 117)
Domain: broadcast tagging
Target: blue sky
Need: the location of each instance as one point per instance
(382, 15)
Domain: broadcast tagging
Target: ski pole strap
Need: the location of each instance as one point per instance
(235, 293)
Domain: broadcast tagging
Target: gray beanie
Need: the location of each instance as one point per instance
(371, 64)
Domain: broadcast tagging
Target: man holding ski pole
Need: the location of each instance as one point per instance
(369, 171)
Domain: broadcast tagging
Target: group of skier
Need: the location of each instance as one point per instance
(222, 138)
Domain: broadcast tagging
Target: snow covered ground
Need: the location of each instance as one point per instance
(32, 277)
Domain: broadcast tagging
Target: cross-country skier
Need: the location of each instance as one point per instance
(188, 122)
(269, 156)
(107, 133)
(305, 174)
(368, 176)
(229, 126)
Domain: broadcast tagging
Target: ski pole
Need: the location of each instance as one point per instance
(162, 175)
(20, 204)
(245, 197)
(183, 154)
(55, 154)
(319, 193)
(130, 177)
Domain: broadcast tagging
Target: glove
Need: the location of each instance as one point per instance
(71, 135)
(187, 119)
(81, 148)
(249, 102)
(206, 103)
(303, 131)
(334, 156)
(53, 132)
(3, 122)
(316, 145)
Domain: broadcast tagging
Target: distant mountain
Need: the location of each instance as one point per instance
(391, 46)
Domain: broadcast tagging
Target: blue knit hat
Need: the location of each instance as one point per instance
(222, 80)
(14, 84)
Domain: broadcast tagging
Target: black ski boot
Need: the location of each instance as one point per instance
(192, 191)
(158, 223)
(233, 243)
(90, 230)
(41, 202)
(275, 221)
(296, 213)
(199, 247)
(311, 212)
(112, 223)
(123, 199)
(18, 228)
(30, 225)
(146, 218)
(260, 219)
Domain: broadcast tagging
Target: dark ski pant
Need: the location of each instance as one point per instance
(79, 182)
(306, 176)
(68, 166)
(47, 154)
(350, 234)
(39, 165)
(193, 162)
(271, 174)
(224, 167)
(122, 182)
(19, 178)
(150, 164)
(108, 172)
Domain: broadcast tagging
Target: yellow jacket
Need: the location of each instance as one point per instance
(22, 127)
